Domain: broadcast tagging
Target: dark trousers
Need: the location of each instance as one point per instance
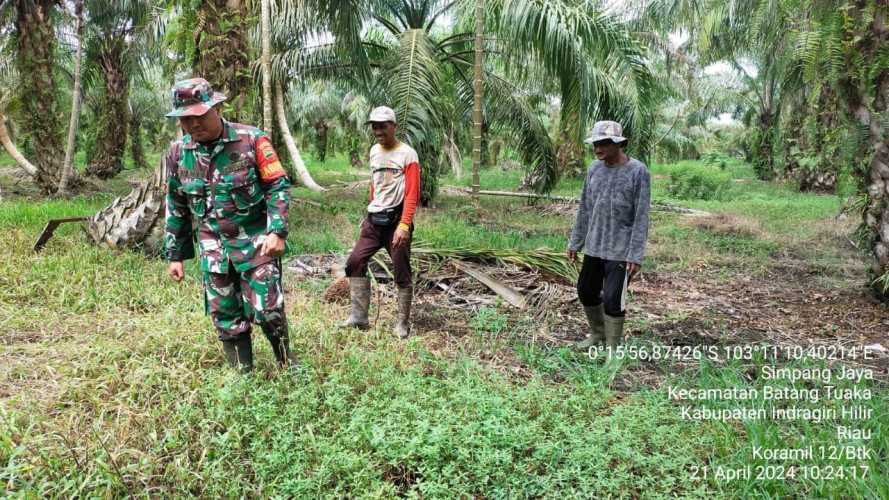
(601, 281)
(373, 238)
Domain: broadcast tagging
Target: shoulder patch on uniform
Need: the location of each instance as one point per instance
(268, 152)
(270, 167)
(271, 171)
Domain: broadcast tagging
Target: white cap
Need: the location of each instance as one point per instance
(605, 130)
(381, 114)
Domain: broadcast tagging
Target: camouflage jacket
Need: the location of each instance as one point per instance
(232, 192)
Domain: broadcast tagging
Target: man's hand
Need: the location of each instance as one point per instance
(176, 271)
(632, 269)
(273, 246)
(401, 237)
(572, 255)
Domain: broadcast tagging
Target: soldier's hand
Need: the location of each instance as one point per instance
(572, 256)
(273, 246)
(176, 271)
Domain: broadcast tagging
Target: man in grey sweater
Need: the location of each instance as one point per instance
(611, 229)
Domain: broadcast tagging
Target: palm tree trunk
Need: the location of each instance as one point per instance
(321, 129)
(869, 113)
(134, 221)
(68, 165)
(494, 148)
(304, 174)
(10, 148)
(876, 214)
(35, 61)
(355, 158)
(477, 87)
(452, 152)
(569, 153)
(266, 68)
(114, 121)
(137, 151)
(764, 155)
(222, 53)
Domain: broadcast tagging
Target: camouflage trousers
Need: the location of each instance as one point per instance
(235, 300)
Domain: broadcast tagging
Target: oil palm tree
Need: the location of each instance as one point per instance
(808, 46)
(114, 52)
(9, 82)
(758, 32)
(34, 50)
(68, 173)
(399, 52)
(842, 45)
(317, 106)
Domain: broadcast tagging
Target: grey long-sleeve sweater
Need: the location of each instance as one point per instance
(612, 221)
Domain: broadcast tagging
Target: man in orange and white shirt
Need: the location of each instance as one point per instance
(394, 196)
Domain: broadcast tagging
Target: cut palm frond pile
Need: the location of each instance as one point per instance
(539, 282)
(543, 259)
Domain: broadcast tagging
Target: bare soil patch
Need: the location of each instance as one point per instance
(727, 225)
(702, 306)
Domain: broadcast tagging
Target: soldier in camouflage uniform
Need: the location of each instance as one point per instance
(226, 185)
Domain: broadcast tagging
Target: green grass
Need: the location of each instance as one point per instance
(138, 399)
(112, 382)
(735, 449)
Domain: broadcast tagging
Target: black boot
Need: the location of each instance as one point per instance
(239, 354)
(276, 332)
(283, 355)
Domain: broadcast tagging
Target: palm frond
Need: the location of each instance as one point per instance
(543, 259)
(575, 42)
(415, 85)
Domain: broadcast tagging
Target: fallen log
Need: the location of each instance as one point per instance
(565, 199)
(656, 207)
(50, 228)
(505, 291)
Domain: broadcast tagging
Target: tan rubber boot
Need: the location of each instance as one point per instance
(614, 330)
(359, 290)
(403, 323)
(595, 316)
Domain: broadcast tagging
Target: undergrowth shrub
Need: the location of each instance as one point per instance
(716, 159)
(694, 181)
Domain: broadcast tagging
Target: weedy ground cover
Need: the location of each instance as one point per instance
(112, 382)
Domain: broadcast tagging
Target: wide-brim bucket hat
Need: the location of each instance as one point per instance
(605, 130)
(194, 97)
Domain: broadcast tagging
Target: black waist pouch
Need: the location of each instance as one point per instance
(385, 218)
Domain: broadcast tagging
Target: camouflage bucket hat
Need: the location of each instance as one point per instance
(193, 97)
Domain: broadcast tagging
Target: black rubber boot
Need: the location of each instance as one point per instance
(283, 355)
(276, 332)
(239, 354)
